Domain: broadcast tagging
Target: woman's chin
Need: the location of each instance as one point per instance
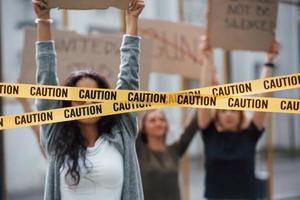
(160, 135)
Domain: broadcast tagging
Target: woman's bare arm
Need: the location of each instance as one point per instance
(207, 78)
(259, 117)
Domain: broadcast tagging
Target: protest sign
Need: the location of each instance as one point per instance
(98, 52)
(242, 24)
(175, 47)
(88, 4)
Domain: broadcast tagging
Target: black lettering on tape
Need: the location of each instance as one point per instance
(83, 111)
(49, 92)
(194, 98)
(98, 94)
(117, 107)
(9, 89)
(33, 118)
(282, 82)
(248, 103)
(232, 89)
(147, 97)
(290, 105)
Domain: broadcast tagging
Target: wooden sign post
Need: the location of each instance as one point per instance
(186, 159)
(65, 19)
(270, 157)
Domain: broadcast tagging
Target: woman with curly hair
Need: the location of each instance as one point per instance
(92, 158)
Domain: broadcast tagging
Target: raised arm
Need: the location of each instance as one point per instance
(186, 137)
(128, 77)
(45, 51)
(43, 20)
(259, 117)
(207, 78)
(46, 67)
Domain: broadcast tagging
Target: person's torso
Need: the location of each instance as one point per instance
(159, 171)
(102, 177)
(229, 164)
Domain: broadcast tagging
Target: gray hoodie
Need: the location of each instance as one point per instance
(123, 134)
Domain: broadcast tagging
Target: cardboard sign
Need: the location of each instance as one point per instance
(100, 53)
(241, 24)
(175, 47)
(88, 4)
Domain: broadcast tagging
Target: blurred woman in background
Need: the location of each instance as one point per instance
(159, 162)
(230, 138)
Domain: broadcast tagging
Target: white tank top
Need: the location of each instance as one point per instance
(104, 180)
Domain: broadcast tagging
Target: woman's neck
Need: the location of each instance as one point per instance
(90, 133)
(156, 144)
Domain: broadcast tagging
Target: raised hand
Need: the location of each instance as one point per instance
(204, 47)
(40, 9)
(43, 20)
(273, 52)
(135, 8)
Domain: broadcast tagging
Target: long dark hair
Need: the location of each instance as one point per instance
(70, 144)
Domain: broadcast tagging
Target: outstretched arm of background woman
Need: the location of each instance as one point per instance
(187, 136)
(207, 78)
(259, 117)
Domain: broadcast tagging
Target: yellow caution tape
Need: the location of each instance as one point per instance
(227, 96)
(279, 105)
(106, 95)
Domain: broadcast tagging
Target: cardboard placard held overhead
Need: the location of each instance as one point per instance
(97, 52)
(242, 24)
(175, 47)
(88, 4)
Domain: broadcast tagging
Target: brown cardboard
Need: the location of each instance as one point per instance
(175, 47)
(242, 24)
(76, 52)
(88, 4)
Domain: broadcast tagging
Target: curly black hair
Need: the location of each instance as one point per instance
(70, 144)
